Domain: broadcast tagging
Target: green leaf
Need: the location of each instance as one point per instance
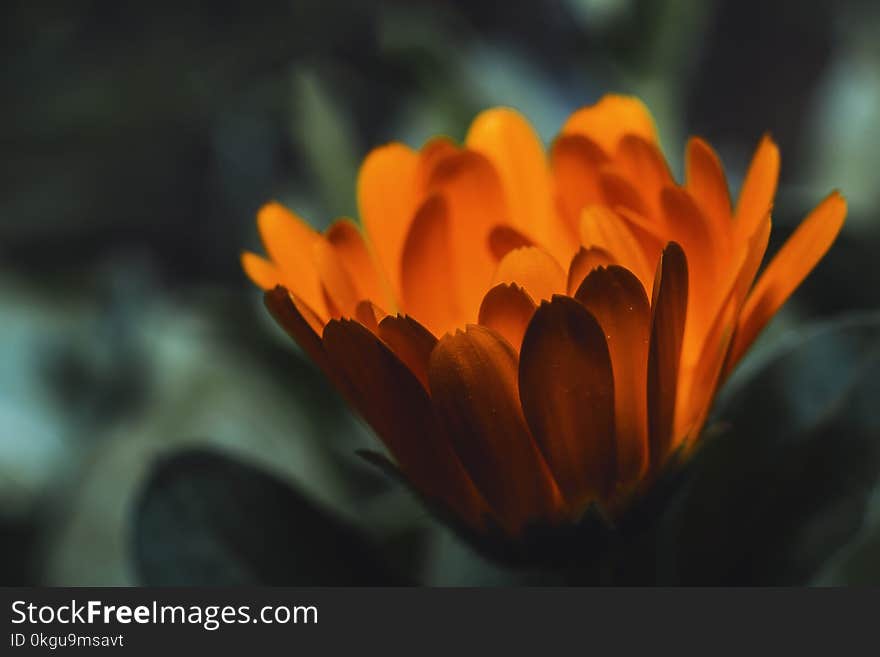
(858, 564)
(325, 134)
(778, 493)
(206, 519)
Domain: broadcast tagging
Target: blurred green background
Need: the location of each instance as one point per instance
(139, 140)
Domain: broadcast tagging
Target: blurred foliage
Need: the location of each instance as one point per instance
(233, 525)
(788, 481)
(139, 140)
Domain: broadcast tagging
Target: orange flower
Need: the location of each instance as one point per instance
(532, 333)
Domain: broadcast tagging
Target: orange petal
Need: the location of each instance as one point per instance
(743, 276)
(650, 234)
(431, 155)
(533, 269)
(428, 289)
(646, 221)
(567, 393)
(505, 137)
(607, 230)
(507, 309)
(583, 262)
(369, 314)
(610, 119)
(352, 250)
(473, 384)
(288, 241)
(393, 401)
(756, 247)
(411, 342)
(618, 192)
(261, 271)
(386, 191)
(301, 323)
(576, 163)
(503, 239)
(645, 166)
(690, 228)
(617, 300)
(668, 308)
(695, 402)
(758, 188)
(472, 190)
(335, 280)
(708, 186)
(797, 257)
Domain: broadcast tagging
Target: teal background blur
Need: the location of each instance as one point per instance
(138, 141)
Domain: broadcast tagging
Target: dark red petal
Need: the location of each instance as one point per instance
(669, 308)
(473, 385)
(393, 401)
(567, 392)
(616, 298)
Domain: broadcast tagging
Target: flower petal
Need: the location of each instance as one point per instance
(393, 401)
(707, 185)
(645, 165)
(504, 238)
(690, 228)
(261, 271)
(431, 156)
(411, 342)
(721, 336)
(618, 192)
(505, 137)
(668, 309)
(646, 221)
(650, 235)
(607, 230)
(567, 393)
(301, 323)
(288, 241)
(758, 188)
(428, 286)
(616, 298)
(507, 310)
(610, 119)
(335, 280)
(473, 386)
(756, 248)
(533, 269)
(583, 262)
(698, 392)
(352, 250)
(469, 184)
(369, 314)
(576, 164)
(387, 200)
(797, 257)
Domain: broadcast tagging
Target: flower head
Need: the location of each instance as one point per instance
(533, 332)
